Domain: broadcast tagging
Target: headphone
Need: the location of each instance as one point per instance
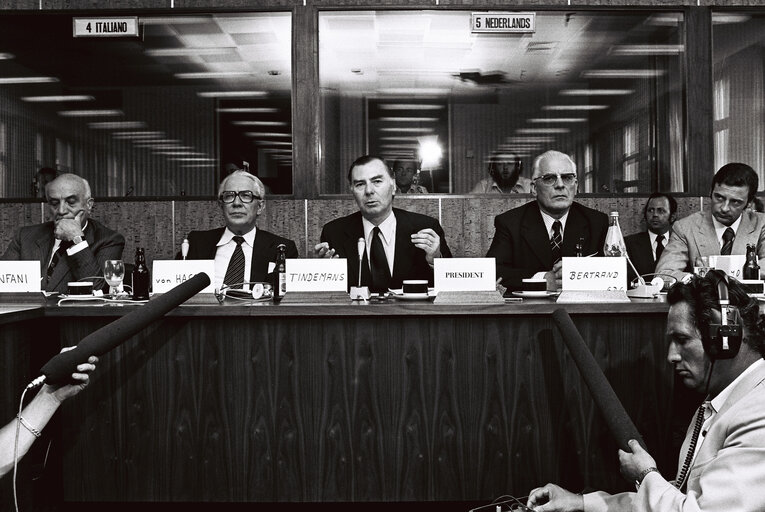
(723, 340)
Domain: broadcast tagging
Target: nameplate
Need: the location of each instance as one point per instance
(317, 275)
(20, 276)
(595, 273)
(167, 274)
(464, 274)
(732, 265)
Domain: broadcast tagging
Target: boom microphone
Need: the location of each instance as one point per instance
(619, 422)
(59, 368)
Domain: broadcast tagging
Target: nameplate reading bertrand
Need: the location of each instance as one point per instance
(20, 276)
(591, 274)
(464, 274)
(167, 274)
(317, 275)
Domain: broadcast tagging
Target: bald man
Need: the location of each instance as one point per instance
(72, 246)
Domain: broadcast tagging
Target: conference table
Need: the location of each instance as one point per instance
(340, 401)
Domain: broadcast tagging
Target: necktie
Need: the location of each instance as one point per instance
(235, 270)
(556, 241)
(379, 264)
(61, 251)
(683, 472)
(727, 246)
(659, 246)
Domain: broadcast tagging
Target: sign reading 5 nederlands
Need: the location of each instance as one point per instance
(503, 22)
(106, 27)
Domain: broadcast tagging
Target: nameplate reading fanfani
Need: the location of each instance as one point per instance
(19, 276)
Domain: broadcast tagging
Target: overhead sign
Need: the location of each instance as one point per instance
(106, 27)
(503, 22)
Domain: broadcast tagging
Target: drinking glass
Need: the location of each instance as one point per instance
(114, 273)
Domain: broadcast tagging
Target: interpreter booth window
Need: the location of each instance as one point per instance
(738, 39)
(155, 105)
(472, 97)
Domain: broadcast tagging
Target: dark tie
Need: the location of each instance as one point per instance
(659, 246)
(60, 252)
(379, 264)
(555, 242)
(727, 246)
(235, 270)
(683, 471)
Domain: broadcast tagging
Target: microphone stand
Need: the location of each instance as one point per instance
(360, 292)
(642, 290)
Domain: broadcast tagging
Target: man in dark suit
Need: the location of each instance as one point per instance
(398, 244)
(529, 241)
(645, 248)
(72, 246)
(240, 248)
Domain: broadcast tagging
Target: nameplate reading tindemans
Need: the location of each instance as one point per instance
(464, 274)
(105, 27)
(317, 275)
(503, 22)
(167, 274)
(20, 276)
(597, 273)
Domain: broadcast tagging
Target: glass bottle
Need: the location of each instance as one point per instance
(140, 276)
(614, 245)
(280, 277)
(752, 266)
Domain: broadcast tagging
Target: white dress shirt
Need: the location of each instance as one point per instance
(226, 246)
(388, 236)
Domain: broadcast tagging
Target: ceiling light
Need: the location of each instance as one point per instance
(179, 153)
(407, 130)
(91, 113)
(59, 98)
(647, 49)
(622, 73)
(194, 159)
(415, 91)
(192, 166)
(409, 106)
(259, 123)
(155, 147)
(27, 80)
(272, 143)
(596, 92)
(267, 134)
(574, 107)
(531, 131)
(126, 125)
(231, 94)
(530, 139)
(412, 138)
(6, 56)
(558, 120)
(719, 18)
(138, 135)
(156, 142)
(248, 110)
(188, 52)
(203, 75)
(410, 119)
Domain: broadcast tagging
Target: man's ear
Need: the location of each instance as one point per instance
(90, 203)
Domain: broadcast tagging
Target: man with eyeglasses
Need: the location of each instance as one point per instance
(242, 252)
(725, 229)
(72, 246)
(529, 241)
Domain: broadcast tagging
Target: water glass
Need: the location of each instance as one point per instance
(114, 273)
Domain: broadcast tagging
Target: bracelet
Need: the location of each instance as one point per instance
(643, 475)
(29, 427)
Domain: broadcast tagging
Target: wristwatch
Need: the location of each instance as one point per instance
(77, 240)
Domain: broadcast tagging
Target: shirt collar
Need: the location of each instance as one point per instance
(718, 401)
(228, 235)
(387, 228)
(549, 222)
(720, 228)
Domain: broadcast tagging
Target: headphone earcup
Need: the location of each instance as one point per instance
(720, 335)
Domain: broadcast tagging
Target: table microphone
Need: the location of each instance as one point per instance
(360, 246)
(603, 394)
(185, 248)
(59, 368)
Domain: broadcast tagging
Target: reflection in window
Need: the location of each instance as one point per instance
(575, 84)
(148, 116)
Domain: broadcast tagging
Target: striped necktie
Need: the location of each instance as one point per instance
(556, 242)
(728, 237)
(235, 271)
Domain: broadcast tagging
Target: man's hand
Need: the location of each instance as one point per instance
(322, 250)
(554, 277)
(67, 228)
(634, 464)
(552, 498)
(429, 241)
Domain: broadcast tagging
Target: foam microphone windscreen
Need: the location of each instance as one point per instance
(61, 366)
(619, 422)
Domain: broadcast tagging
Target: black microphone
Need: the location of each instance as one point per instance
(617, 419)
(59, 368)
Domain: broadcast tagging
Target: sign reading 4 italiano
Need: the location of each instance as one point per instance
(106, 27)
(503, 22)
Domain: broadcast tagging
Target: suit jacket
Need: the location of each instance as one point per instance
(36, 243)
(521, 244)
(204, 244)
(694, 236)
(409, 261)
(641, 253)
(729, 469)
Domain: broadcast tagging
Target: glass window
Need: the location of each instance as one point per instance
(409, 84)
(166, 113)
(739, 90)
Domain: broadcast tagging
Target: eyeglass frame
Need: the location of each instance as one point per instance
(238, 193)
(552, 178)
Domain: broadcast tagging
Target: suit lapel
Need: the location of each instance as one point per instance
(259, 259)
(744, 234)
(576, 228)
(534, 233)
(706, 237)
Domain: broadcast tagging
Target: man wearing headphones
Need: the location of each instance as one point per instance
(722, 461)
(504, 176)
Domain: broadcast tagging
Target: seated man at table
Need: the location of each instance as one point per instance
(725, 229)
(721, 465)
(504, 176)
(72, 246)
(645, 248)
(399, 244)
(239, 248)
(531, 240)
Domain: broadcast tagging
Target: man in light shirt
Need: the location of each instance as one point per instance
(725, 229)
(724, 468)
(242, 252)
(405, 244)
